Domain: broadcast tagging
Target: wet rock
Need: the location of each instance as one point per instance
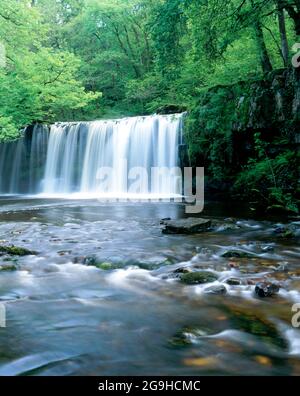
(248, 320)
(234, 282)
(188, 336)
(264, 289)
(106, 266)
(16, 251)
(231, 225)
(216, 289)
(8, 267)
(287, 231)
(197, 278)
(164, 220)
(238, 254)
(90, 261)
(186, 226)
(182, 270)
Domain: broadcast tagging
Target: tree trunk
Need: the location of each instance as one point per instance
(283, 35)
(263, 51)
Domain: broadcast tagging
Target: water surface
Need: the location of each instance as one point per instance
(66, 317)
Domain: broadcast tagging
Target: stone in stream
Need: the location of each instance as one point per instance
(16, 251)
(264, 289)
(234, 282)
(198, 278)
(238, 254)
(190, 225)
(216, 289)
(182, 270)
(251, 320)
(8, 267)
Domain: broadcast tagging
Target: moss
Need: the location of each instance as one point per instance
(16, 251)
(237, 254)
(196, 278)
(8, 268)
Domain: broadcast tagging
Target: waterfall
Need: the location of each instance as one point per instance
(22, 162)
(69, 157)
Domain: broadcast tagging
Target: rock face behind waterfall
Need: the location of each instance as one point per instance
(224, 126)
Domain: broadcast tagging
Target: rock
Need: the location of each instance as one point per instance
(190, 225)
(238, 254)
(164, 220)
(217, 289)
(227, 227)
(268, 248)
(252, 321)
(8, 267)
(105, 266)
(289, 231)
(264, 289)
(197, 278)
(182, 270)
(16, 251)
(234, 282)
(90, 261)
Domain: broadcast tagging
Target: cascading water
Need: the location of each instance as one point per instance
(22, 162)
(67, 159)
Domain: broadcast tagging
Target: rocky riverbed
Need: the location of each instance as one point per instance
(102, 289)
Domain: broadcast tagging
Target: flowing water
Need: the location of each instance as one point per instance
(67, 158)
(102, 294)
(132, 315)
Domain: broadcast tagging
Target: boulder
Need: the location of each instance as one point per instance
(190, 225)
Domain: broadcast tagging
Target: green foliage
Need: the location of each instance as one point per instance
(38, 83)
(87, 59)
(270, 182)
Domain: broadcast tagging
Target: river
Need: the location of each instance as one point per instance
(102, 295)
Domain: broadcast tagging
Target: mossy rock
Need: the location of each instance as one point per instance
(198, 278)
(105, 266)
(102, 265)
(8, 268)
(252, 323)
(238, 254)
(16, 251)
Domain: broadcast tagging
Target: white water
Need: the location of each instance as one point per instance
(67, 160)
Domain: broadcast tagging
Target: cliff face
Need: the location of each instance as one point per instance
(244, 132)
(270, 105)
(221, 128)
